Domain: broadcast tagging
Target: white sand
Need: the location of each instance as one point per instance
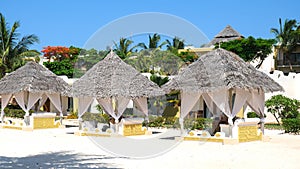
(53, 148)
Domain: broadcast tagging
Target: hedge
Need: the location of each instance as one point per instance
(291, 125)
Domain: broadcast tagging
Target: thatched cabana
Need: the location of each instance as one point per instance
(31, 83)
(223, 79)
(227, 34)
(112, 80)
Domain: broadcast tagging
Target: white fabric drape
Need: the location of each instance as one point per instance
(32, 99)
(122, 103)
(83, 105)
(221, 100)
(55, 100)
(43, 100)
(256, 102)
(141, 104)
(209, 103)
(20, 98)
(240, 99)
(188, 100)
(4, 101)
(107, 106)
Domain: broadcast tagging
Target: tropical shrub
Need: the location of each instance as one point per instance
(98, 117)
(156, 121)
(291, 125)
(252, 115)
(16, 113)
(282, 107)
(73, 115)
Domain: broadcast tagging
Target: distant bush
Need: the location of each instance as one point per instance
(198, 123)
(291, 125)
(98, 117)
(15, 113)
(173, 122)
(252, 115)
(156, 121)
(73, 115)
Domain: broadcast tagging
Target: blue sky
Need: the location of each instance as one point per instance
(70, 22)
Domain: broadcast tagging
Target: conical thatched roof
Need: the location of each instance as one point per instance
(227, 34)
(221, 69)
(112, 77)
(33, 77)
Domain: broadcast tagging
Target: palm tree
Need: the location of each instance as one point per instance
(153, 42)
(123, 49)
(175, 45)
(287, 36)
(11, 48)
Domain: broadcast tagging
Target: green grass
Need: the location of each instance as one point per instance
(273, 126)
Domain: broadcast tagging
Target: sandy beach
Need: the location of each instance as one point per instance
(57, 148)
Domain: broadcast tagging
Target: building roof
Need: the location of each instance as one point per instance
(33, 77)
(221, 69)
(227, 34)
(112, 77)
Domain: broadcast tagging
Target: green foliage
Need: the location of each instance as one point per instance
(159, 80)
(170, 111)
(273, 127)
(288, 36)
(64, 67)
(13, 48)
(15, 113)
(123, 48)
(252, 115)
(291, 125)
(282, 107)
(154, 42)
(156, 121)
(198, 123)
(156, 61)
(98, 117)
(73, 115)
(250, 48)
(188, 57)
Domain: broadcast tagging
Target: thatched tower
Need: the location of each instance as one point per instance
(217, 76)
(30, 83)
(227, 34)
(113, 80)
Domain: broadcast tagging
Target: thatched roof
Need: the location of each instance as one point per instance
(112, 77)
(227, 34)
(221, 69)
(33, 77)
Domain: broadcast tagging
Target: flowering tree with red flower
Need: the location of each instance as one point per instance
(60, 53)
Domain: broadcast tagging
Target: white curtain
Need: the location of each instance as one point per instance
(43, 100)
(188, 100)
(141, 104)
(20, 98)
(4, 101)
(256, 101)
(122, 103)
(221, 100)
(55, 100)
(83, 105)
(107, 106)
(32, 99)
(209, 103)
(240, 99)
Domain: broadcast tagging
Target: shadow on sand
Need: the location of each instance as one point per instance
(57, 160)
